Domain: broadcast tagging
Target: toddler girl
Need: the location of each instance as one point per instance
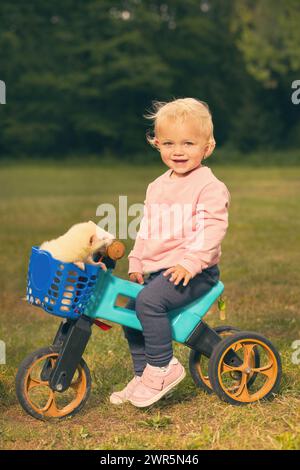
(177, 261)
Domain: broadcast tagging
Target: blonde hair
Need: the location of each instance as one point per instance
(181, 109)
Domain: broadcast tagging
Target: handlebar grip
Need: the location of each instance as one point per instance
(116, 250)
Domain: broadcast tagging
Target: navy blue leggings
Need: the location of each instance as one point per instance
(153, 345)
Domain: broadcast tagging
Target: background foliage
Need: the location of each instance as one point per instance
(80, 75)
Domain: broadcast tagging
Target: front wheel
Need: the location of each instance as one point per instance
(34, 392)
(223, 367)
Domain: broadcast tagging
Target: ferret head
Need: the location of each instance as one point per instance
(90, 239)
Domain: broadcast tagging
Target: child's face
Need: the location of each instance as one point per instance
(181, 145)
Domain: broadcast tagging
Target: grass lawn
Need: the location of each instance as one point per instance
(260, 270)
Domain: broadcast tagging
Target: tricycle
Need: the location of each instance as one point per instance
(241, 367)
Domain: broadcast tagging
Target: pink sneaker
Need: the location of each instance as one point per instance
(117, 398)
(156, 382)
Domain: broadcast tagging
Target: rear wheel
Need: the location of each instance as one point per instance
(221, 369)
(35, 394)
(198, 363)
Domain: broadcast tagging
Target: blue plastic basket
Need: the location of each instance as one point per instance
(62, 289)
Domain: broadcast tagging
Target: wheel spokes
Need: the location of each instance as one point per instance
(265, 370)
(32, 383)
(226, 368)
(248, 351)
(46, 401)
(248, 357)
(50, 409)
(37, 382)
(242, 391)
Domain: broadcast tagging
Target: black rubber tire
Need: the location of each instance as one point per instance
(216, 357)
(21, 377)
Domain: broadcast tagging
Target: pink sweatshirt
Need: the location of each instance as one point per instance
(192, 238)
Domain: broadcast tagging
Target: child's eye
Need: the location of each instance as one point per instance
(167, 143)
(189, 143)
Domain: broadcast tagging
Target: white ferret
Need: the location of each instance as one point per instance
(79, 244)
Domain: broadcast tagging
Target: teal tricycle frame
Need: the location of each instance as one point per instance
(183, 320)
(244, 357)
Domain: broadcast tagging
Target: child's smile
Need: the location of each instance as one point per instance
(181, 145)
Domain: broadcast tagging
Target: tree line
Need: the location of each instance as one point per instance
(79, 75)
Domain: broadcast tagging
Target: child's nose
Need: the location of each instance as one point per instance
(178, 150)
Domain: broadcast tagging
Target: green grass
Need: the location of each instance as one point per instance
(260, 270)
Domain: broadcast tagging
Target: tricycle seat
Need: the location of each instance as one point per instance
(102, 305)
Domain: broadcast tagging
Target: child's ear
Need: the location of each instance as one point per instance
(156, 142)
(92, 238)
(209, 148)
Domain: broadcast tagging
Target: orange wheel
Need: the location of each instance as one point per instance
(198, 363)
(34, 392)
(224, 370)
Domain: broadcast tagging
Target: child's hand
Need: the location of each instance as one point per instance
(136, 277)
(178, 273)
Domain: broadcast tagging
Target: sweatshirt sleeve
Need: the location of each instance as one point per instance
(135, 255)
(204, 245)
